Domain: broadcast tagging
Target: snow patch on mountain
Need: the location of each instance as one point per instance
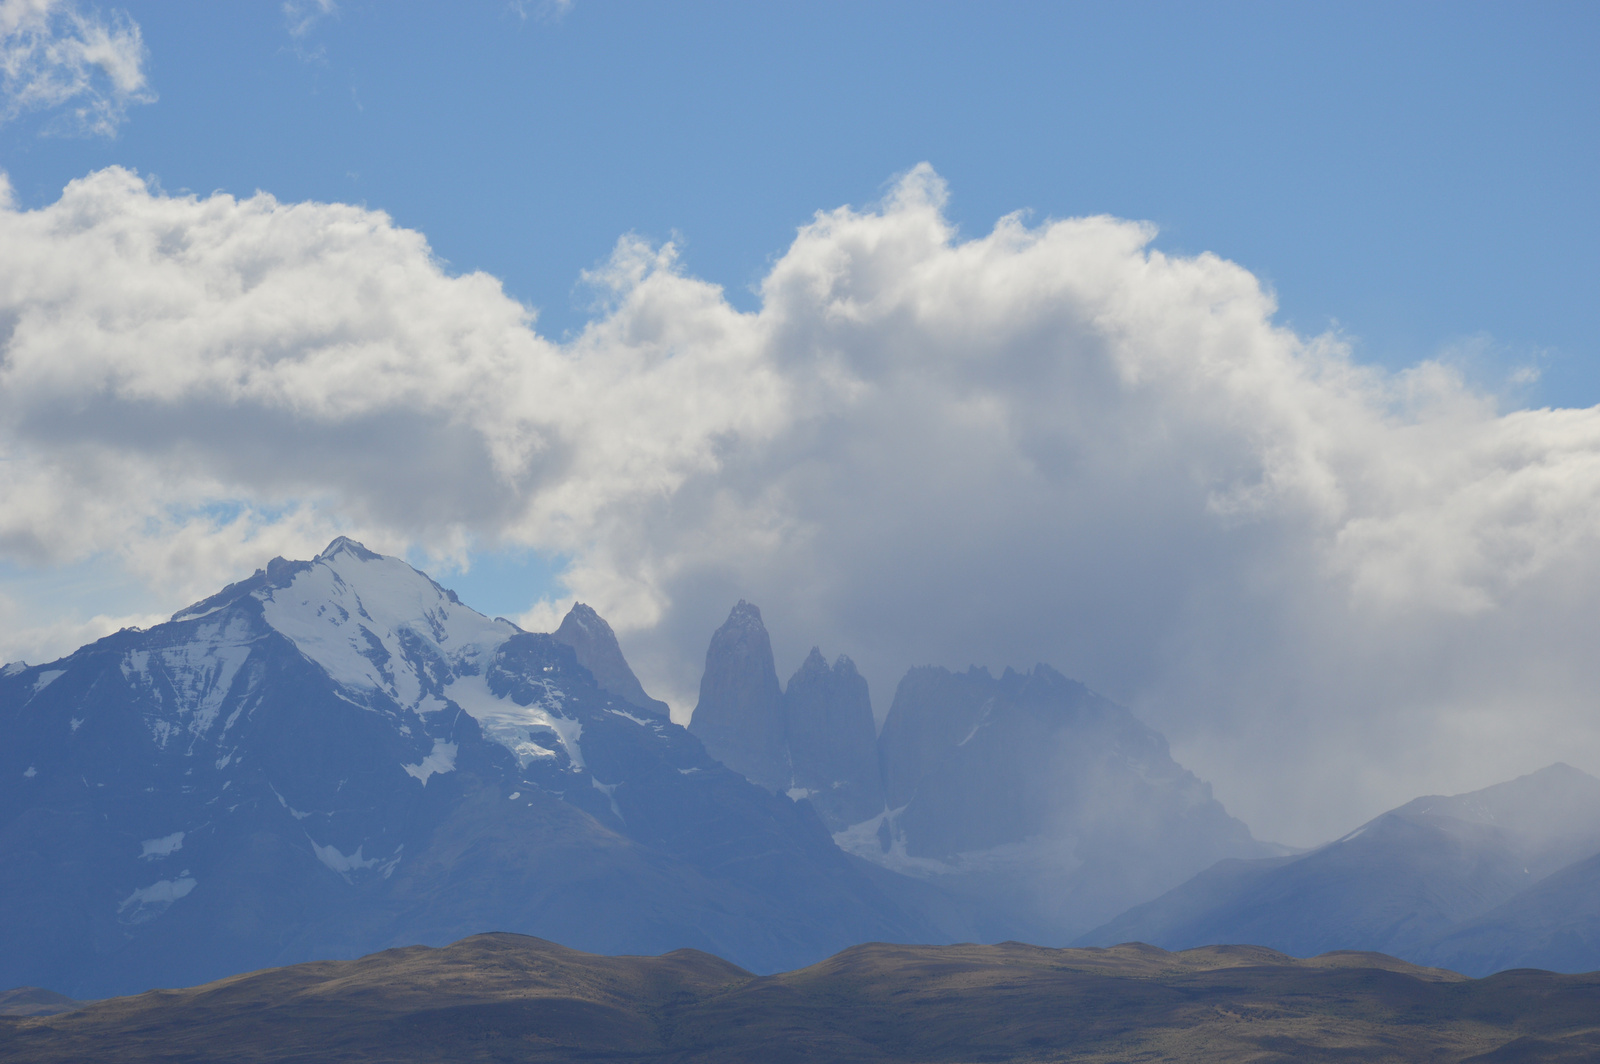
(347, 863)
(877, 839)
(195, 678)
(610, 791)
(202, 673)
(880, 840)
(147, 903)
(441, 759)
(296, 813)
(162, 847)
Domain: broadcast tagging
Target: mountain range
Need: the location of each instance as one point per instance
(335, 757)
(1021, 806)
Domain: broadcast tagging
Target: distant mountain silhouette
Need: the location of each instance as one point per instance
(1474, 882)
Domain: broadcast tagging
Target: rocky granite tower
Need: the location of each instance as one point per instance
(739, 717)
(588, 634)
(831, 737)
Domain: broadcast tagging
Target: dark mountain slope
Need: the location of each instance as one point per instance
(933, 712)
(336, 756)
(1395, 884)
(1553, 924)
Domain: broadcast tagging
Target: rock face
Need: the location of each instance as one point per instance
(813, 740)
(740, 715)
(1476, 881)
(595, 644)
(1044, 805)
(933, 711)
(336, 756)
(828, 724)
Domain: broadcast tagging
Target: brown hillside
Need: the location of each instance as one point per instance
(511, 998)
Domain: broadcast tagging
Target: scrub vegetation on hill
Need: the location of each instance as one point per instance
(509, 998)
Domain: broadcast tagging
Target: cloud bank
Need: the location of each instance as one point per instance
(85, 64)
(1333, 587)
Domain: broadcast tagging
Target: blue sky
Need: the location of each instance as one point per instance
(1240, 522)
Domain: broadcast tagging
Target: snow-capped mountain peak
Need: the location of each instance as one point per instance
(338, 755)
(375, 623)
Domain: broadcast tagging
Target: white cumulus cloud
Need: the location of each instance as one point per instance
(1332, 586)
(85, 64)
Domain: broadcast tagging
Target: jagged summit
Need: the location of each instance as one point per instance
(740, 712)
(745, 617)
(582, 615)
(377, 623)
(815, 664)
(345, 556)
(588, 634)
(344, 544)
(831, 736)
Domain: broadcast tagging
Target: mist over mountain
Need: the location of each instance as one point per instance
(1045, 795)
(1036, 807)
(336, 756)
(1495, 878)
